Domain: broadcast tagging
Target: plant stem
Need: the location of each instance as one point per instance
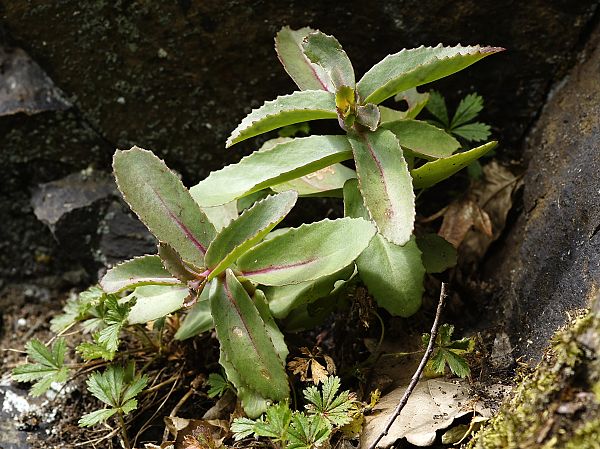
(123, 430)
(415, 378)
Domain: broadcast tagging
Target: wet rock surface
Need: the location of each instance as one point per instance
(176, 77)
(550, 262)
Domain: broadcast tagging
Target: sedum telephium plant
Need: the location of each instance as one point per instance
(219, 252)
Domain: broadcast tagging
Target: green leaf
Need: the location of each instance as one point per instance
(242, 428)
(456, 363)
(328, 53)
(163, 204)
(198, 319)
(218, 385)
(247, 230)
(115, 317)
(368, 115)
(473, 132)
(175, 265)
(330, 405)
(417, 66)
(416, 101)
(385, 184)
(76, 309)
(423, 139)
(48, 369)
(155, 301)
(437, 254)
(433, 172)
(306, 75)
(96, 417)
(283, 299)
(354, 205)
(306, 253)
(468, 108)
(144, 270)
(307, 432)
(285, 110)
(220, 216)
(95, 350)
(437, 107)
(393, 274)
(327, 181)
(116, 387)
(245, 341)
(276, 422)
(276, 336)
(282, 162)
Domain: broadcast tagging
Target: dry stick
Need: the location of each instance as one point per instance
(415, 378)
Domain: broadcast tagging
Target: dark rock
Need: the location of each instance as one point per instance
(550, 263)
(90, 222)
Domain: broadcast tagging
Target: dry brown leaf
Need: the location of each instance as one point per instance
(433, 405)
(460, 217)
(197, 433)
(309, 368)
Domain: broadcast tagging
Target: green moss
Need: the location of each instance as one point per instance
(530, 419)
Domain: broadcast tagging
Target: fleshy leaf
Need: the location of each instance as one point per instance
(416, 101)
(438, 254)
(328, 181)
(155, 301)
(284, 299)
(425, 140)
(307, 253)
(245, 341)
(163, 204)
(276, 336)
(368, 115)
(393, 274)
(283, 162)
(328, 53)
(220, 216)
(306, 75)
(433, 172)
(174, 264)
(417, 66)
(354, 205)
(385, 184)
(285, 110)
(247, 230)
(144, 270)
(198, 319)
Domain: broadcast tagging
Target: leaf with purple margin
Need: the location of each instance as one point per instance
(245, 342)
(433, 172)
(144, 270)
(280, 163)
(174, 264)
(385, 183)
(162, 203)
(300, 106)
(306, 75)
(393, 274)
(306, 253)
(327, 52)
(416, 66)
(247, 230)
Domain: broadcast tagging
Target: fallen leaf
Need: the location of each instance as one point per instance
(433, 405)
(460, 217)
(309, 368)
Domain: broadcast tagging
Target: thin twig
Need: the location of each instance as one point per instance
(173, 413)
(415, 378)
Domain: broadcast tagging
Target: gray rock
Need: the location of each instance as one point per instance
(550, 264)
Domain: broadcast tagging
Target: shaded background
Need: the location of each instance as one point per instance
(176, 77)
